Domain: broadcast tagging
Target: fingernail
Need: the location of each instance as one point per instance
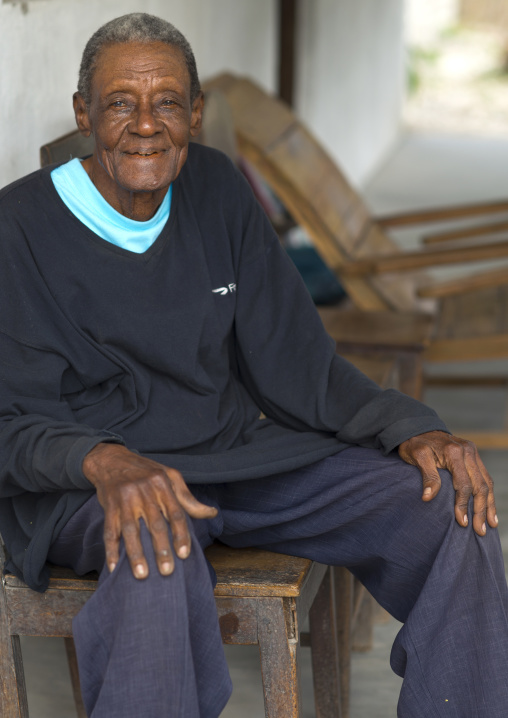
(140, 570)
(112, 567)
(484, 528)
(465, 520)
(166, 568)
(183, 551)
(496, 520)
(427, 491)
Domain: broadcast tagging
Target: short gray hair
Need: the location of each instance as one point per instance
(134, 27)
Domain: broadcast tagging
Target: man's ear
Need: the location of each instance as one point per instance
(81, 115)
(197, 114)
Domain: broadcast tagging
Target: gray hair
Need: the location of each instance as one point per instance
(135, 27)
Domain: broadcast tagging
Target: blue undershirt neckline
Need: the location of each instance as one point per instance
(84, 200)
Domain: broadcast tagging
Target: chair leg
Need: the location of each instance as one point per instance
(20, 676)
(13, 703)
(363, 629)
(72, 660)
(342, 581)
(279, 649)
(325, 653)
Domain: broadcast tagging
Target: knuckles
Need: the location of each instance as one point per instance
(158, 526)
(483, 491)
(130, 528)
(110, 535)
(177, 515)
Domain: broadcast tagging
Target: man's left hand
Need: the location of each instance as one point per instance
(438, 450)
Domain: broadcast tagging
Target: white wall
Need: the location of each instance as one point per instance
(350, 62)
(40, 52)
(351, 78)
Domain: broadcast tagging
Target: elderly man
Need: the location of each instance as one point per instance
(131, 425)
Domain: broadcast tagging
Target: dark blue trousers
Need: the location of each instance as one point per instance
(152, 648)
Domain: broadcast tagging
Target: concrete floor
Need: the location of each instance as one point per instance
(421, 171)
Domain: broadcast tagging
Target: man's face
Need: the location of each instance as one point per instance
(141, 118)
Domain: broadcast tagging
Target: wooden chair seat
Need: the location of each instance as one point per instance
(262, 598)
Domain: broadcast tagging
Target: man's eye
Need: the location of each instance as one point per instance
(167, 103)
(118, 103)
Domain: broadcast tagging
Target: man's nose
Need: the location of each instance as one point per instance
(145, 122)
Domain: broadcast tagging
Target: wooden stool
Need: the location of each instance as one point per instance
(262, 598)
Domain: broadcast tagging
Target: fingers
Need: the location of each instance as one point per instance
(470, 478)
(111, 541)
(158, 529)
(431, 480)
(484, 507)
(179, 529)
(191, 505)
(437, 450)
(419, 455)
(131, 487)
(134, 548)
(176, 509)
(492, 518)
(159, 532)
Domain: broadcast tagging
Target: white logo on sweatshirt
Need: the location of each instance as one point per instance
(225, 290)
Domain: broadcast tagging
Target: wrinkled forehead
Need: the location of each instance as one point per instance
(140, 59)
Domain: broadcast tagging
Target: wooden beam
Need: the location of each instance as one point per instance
(287, 38)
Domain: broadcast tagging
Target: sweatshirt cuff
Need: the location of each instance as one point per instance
(80, 448)
(405, 429)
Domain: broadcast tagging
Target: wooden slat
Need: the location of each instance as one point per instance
(490, 347)
(60, 579)
(427, 258)
(468, 283)
(466, 380)
(405, 219)
(465, 233)
(387, 330)
(44, 614)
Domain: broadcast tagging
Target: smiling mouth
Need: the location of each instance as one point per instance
(143, 154)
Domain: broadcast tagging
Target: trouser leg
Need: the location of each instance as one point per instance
(149, 648)
(447, 584)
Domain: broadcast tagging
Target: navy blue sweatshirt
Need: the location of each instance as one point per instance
(174, 352)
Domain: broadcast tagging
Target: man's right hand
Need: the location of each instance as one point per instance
(130, 487)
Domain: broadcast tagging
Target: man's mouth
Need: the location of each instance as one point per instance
(143, 154)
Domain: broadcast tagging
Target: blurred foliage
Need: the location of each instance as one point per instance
(419, 59)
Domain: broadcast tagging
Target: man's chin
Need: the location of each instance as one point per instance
(141, 183)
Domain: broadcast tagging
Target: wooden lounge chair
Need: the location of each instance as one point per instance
(466, 318)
